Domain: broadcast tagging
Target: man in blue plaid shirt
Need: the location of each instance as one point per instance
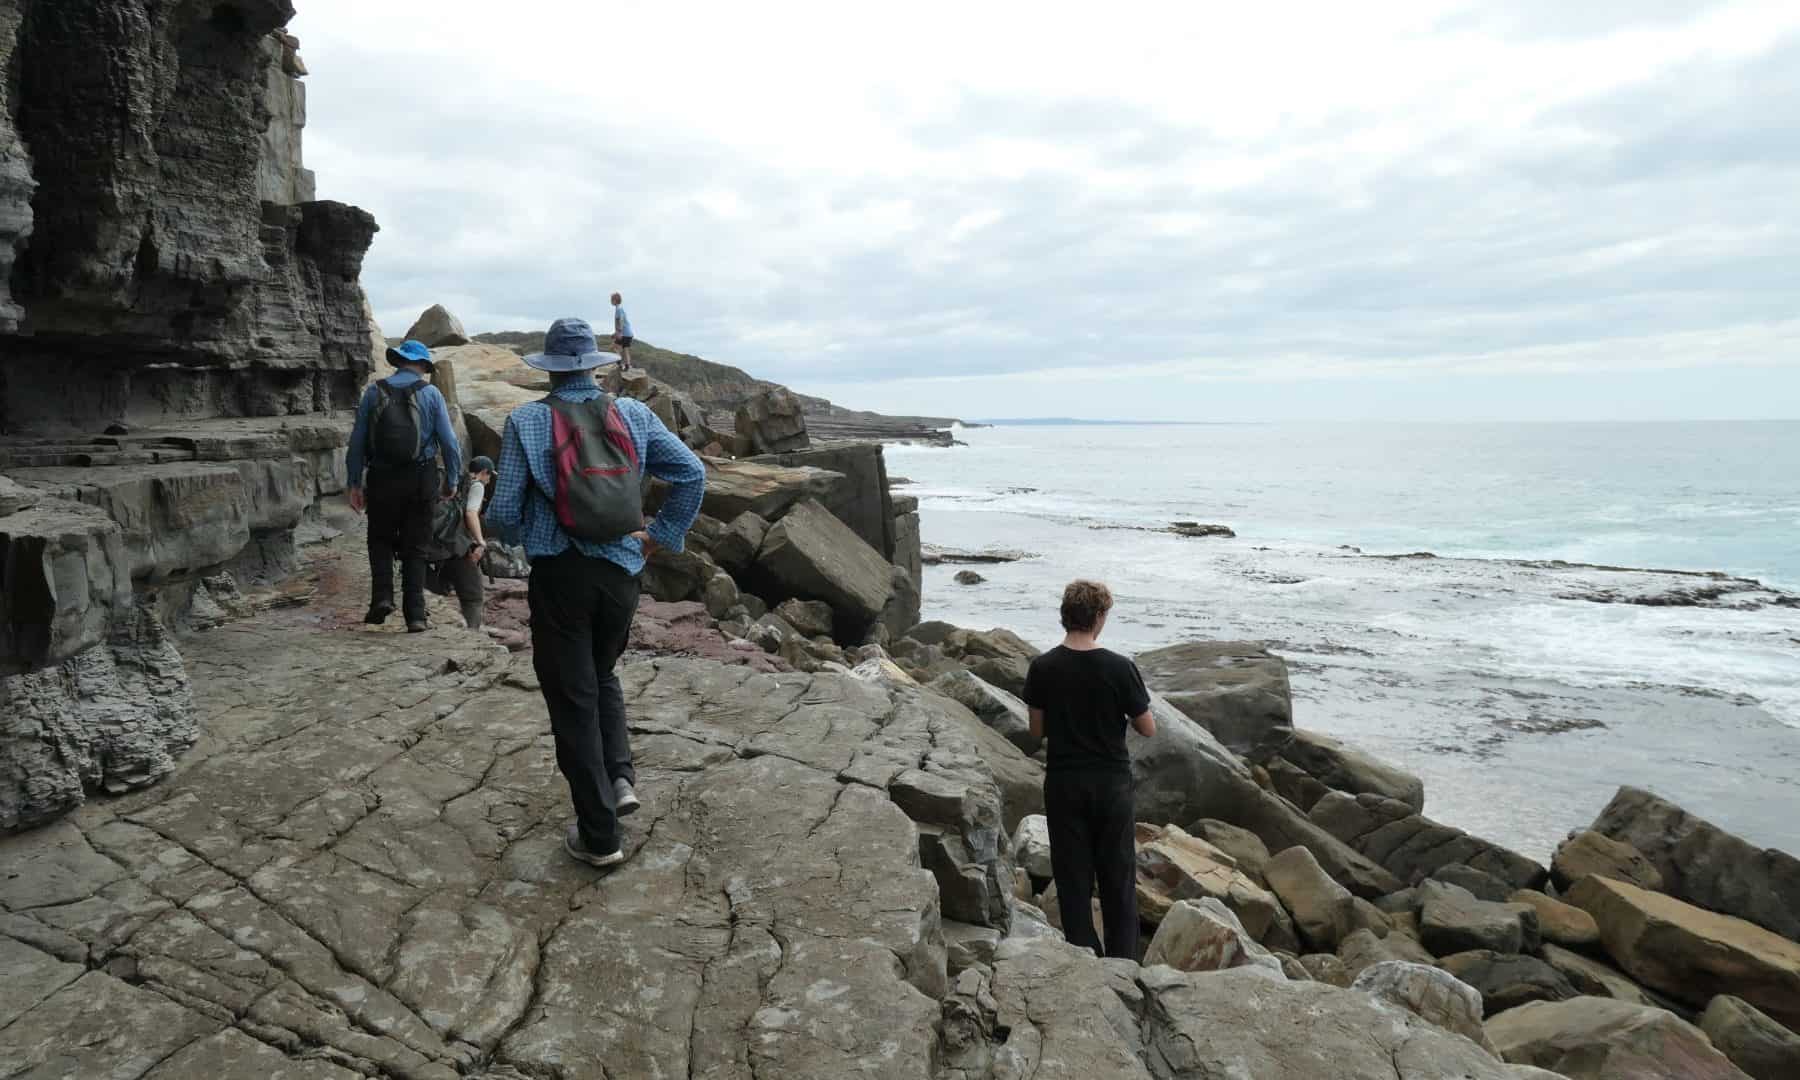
(584, 594)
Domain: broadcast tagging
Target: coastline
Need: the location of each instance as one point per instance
(1523, 690)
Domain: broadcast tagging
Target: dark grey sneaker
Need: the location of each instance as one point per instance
(625, 800)
(572, 844)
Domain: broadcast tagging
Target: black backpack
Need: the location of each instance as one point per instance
(397, 426)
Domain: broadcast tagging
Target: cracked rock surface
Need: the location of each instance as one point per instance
(358, 871)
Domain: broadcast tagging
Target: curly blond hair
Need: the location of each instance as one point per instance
(1083, 603)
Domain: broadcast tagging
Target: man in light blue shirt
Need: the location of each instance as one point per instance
(584, 593)
(622, 337)
(402, 427)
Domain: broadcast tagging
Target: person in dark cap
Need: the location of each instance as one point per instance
(463, 573)
(571, 469)
(402, 429)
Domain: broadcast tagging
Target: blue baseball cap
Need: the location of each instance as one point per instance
(569, 346)
(411, 352)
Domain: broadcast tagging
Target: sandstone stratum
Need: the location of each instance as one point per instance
(242, 835)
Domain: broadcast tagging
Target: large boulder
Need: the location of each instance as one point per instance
(1753, 1042)
(1589, 852)
(1560, 923)
(67, 572)
(1363, 949)
(443, 376)
(436, 328)
(861, 498)
(1173, 866)
(676, 410)
(1341, 768)
(772, 421)
(734, 487)
(1060, 1014)
(1451, 921)
(1204, 935)
(1323, 909)
(113, 718)
(1507, 980)
(1236, 690)
(1692, 954)
(812, 555)
(1412, 846)
(1431, 994)
(1590, 976)
(1281, 825)
(1705, 865)
(1245, 847)
(1182, 772)
(998, 709)
(736, 547)
(1590, 1038)
(1031, 846)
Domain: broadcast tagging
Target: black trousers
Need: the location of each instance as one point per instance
(1093, 841)
(581, 612)
(400, 507)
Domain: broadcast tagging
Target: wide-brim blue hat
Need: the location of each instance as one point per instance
(569, 346)
(410, 352)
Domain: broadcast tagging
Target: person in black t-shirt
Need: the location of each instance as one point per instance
(1082, 698)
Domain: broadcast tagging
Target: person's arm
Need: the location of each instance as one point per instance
(359, 445)
(668, 458)
(1033, 695)
(448, 447)
(508, 507)
(1143, 721)
(472, 522)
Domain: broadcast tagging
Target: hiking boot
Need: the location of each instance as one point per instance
(625, 800)
(378, 614)
(416, 626)
(579, 852)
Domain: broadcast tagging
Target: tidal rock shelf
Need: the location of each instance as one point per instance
(359, 872)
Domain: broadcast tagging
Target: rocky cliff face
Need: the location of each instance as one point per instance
(181, 328)
(164, 263)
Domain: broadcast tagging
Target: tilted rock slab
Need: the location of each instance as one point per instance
(1343, 768)
(814, 556)
(1705, 865)
(1237, 690)
(1692, 954)
(1412, 845)
(1431, 994)
(1590, 1038)
(1753, 1042)
(1067, 1016)
(1204, 935)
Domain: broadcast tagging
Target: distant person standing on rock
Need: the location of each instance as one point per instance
(1082, 698)
(402, 427)
(571, 467)
(621, 332)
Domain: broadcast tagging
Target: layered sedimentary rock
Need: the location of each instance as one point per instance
(157, 282)
(181, 328)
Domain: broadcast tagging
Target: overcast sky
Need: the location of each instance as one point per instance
(1531, 209)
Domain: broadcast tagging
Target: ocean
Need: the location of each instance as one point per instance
(1526, 615)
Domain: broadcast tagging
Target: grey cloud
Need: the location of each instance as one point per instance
(1509, 255)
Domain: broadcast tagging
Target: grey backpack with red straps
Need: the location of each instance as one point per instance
(599, 493)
